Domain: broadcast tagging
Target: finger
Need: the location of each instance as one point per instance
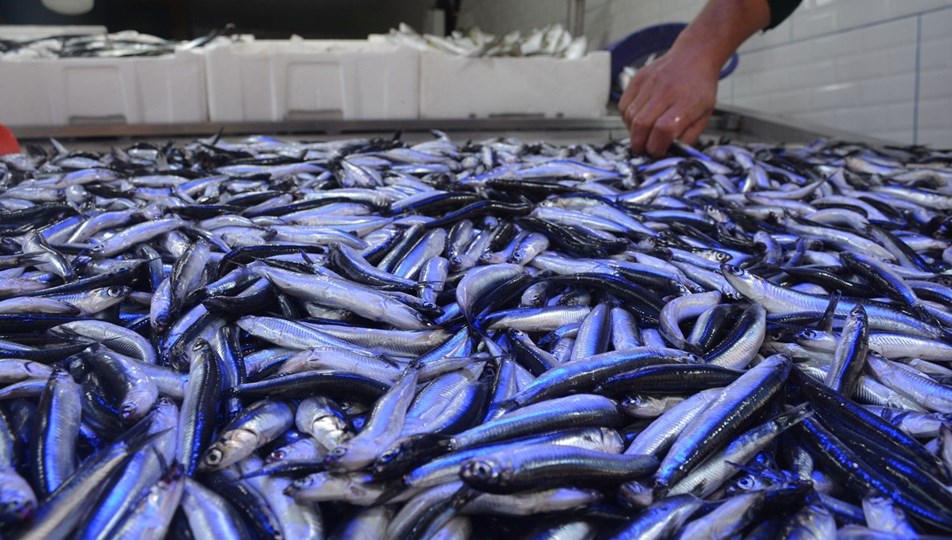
(642, 123)
(668, 127)
(636, 87)
(629, 95)
(693, 132)
(646, 89)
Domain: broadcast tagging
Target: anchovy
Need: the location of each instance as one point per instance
(580, 410)
(258, 424)
(707, 477)
(546, 464)
(382, 427)
(209, 515)
(151, 516)
(780, 300)
(54, 449)
(723, 416)
(661, 519)
(685, 307)
(583, 375)
(137, 388)
(911, 382)
(200, 407)
(850, 354)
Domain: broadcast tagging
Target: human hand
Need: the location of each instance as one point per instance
(671, 98)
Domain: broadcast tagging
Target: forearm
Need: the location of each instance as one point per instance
(721, 27)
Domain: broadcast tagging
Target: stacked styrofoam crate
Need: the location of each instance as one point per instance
(136, 90)
(461, 87)
(250, 80)
(286, 80)
(127, 90)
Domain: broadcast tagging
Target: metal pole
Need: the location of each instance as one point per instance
(577, 17)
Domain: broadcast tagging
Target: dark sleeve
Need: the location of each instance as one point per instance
(780, 10)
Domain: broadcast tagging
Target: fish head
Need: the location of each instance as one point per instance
(235, 446)
(643, 406)
(336, 454)
(351, 455)
(759, 478)
(161, 324)
(330, 430)
(137, 403)
(321, 486)
(400, 456)
(306, 449)
(485, 472)
(815, 339)
(682, 290)
(17, 500)
(635, 495)
(607, 440)
(116, 291)
(746, 284)
(749, 483)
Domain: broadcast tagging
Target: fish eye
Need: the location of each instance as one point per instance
(480, 470)
(302, 482)
(127, 410)
(114, 291)
(338, 451)
(214, 457)
(746, 483)
(387, 456)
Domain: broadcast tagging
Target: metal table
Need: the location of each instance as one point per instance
(727, 122)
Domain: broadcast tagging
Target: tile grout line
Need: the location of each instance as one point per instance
(915, 105)
(850, 29)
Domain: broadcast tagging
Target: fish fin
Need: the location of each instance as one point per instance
(389, 493)
(826, 321)
(925, 315)
(792, 416)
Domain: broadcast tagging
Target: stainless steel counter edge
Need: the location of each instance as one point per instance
(729, 122)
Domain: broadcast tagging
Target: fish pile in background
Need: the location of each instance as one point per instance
(553, 40)
(116, 44)
(367, 338)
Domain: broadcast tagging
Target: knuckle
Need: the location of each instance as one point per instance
(640, 124)
(666, 129)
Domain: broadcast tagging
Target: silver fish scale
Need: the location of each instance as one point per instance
(521, 288)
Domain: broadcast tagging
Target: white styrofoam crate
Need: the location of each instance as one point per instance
(461, 87)
(311, 79)
(133, 90)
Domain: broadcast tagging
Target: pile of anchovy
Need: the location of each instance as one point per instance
(553, 40)
(367, 338)
(118, 44)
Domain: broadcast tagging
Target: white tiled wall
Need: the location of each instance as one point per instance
(935, 79)
(879, 67)
(504, 16)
